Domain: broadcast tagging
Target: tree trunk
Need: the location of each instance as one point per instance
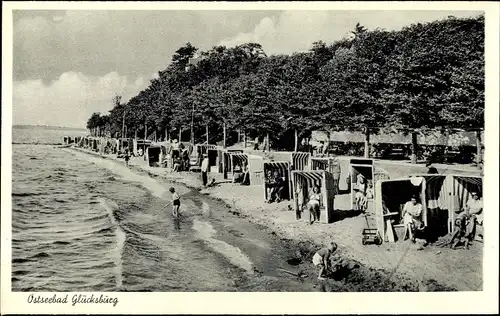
(207, 133)
(180, 133)
(479, 152)
(224, 135)
(166, 134)
(245, 140)
(367, 142)
(145, 131)
(123, 124)
(267, 142)
(327, 145)
(414, 147)
(135, 134)
(239, 135)
(296, 141)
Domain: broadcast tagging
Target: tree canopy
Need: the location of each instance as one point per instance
(423, 76)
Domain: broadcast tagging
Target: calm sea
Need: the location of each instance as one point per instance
(82, 223)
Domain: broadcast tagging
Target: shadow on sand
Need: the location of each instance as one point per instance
(340, 215)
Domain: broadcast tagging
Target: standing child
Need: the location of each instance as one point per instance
(127, 157)
(176, 202)
(321, 259)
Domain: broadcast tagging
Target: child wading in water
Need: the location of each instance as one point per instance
(176, 202)
(321, 259)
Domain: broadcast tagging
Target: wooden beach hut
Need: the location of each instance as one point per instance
(303, 183)
(330, 164)
(297, 160)
(155, 155)
(390, 197)
(137, 144)
(212, 152)
(256, 168)
(78, 140)
(224, 160)
(284, 171)
(442, 198)
(237, 159)
(359, 166)
(445, 197)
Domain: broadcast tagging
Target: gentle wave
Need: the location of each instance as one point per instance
(206, 231)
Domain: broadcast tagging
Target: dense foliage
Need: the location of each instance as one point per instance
(425, 76)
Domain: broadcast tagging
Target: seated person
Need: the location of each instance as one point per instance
(412, 217)
(360, 196)
(474, 211)
(237, 174)
(185, 158)
(246, 176)
(177, 164)
(279, 186)
(369, 190)
(270, 186)
(459, 232)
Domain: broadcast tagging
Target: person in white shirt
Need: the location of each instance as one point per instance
(412, 216)
(204, 170)
(176, 202)
(314, 205)
(360, 196)
(474, 212)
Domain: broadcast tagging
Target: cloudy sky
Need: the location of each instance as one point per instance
(69, 64)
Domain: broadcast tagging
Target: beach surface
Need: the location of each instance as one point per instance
(400, 266)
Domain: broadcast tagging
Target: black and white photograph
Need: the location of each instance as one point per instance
(248, 149)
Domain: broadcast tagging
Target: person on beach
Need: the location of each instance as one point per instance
(126, 157)
(177, 164)
(299, 196)
(246, 176)
(336, 174)
(369, 191)
(360, 196)
(176, 202)
(412, 217)
(270, 186)
(279, 185)
(466, 222)
(474, 208)
(321, 259)
(237, 174)
(314, 204)
(204, 170)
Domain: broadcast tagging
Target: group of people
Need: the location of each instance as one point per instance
(275, 183)
(181, 161)
(465, 225)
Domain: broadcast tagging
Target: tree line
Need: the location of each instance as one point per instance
(426, 76)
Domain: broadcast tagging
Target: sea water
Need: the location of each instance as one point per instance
(84, 223)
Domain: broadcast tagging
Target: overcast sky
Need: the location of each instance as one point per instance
(69, 64)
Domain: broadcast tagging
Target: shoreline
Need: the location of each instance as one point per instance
(357, 270)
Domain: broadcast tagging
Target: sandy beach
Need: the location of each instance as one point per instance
(400, 266)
